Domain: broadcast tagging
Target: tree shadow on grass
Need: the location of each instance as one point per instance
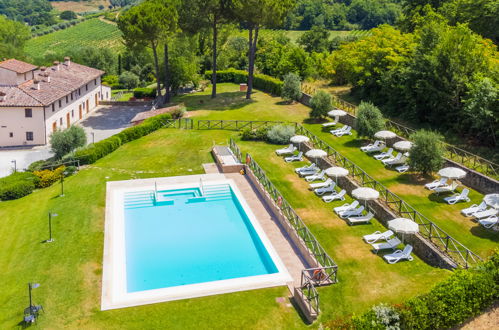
(313, 121)
(223, 101)
(413, 179)
(355, 143)
(481, 232)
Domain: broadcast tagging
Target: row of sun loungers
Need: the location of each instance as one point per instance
(387, 157)
(345, 130)
(390, 243)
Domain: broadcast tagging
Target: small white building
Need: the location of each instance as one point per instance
(34, 102)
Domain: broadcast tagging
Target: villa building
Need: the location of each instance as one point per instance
(35, 102)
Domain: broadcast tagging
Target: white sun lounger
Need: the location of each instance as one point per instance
(352, 212)
(463, 196)
(286, 151)
(360, 218)
(437, 183)
(398, 159)
(317, 177)
(321, 184)
(335, 196)
(347, 131)
(468, 212)
(334, 131)
(310, 167)
(390, 244)
(402, 168)
(346, 206)
(377, 236)
(325, 190)
(446, 189)
(489, 222)
(485, 214)
(384, 155)
(329, 124)
(399, 255)
(294, 158)
(374, 147)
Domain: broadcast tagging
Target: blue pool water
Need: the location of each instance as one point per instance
(190, 239)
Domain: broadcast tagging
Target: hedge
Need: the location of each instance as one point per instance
(262, 82)
(140, 93)
(17, 185)
(463, 295)
(93, 152)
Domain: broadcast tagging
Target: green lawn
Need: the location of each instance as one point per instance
(70, 268)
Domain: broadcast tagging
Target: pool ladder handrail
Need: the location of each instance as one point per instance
(201, 188)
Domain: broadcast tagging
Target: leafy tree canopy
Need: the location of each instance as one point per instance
(13, 36)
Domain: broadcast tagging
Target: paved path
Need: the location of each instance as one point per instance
(23, 158)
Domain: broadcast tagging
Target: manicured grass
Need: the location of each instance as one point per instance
(410, 187)
(93, 33)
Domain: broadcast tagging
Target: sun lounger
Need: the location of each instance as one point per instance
(325, 190)
(390, 244)
(374, 147)
(377, 236)
(463, 196)
(360, 218)
(437, 183)
(402, 168)
(347, 131)
(446, 189)
(310, 167)
(286, 151)
(399, 255)
(335, 196)
(346, 206)
(294, 158)
(489, 222)
(321, 184)
(468, 212)
(317, 177)
(352, 212)
(329, 124)
(309, 172)
(485, 214)
(334, 131)
(385, 154)
(397, 160)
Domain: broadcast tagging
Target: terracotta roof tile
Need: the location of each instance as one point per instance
(17, 66)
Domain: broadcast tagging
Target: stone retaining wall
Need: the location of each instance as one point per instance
(127, 103)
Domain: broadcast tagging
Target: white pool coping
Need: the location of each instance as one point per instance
(114, 293)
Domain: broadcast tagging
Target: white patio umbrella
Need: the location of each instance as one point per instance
(299, 139)
(403, 145)
(365, 194)
(316, 153)
(492, 200)
(385, 135)
(452, 173)
(337, 172)
(403, 226)
(336, 114)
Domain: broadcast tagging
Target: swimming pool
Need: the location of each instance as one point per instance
(187, 240)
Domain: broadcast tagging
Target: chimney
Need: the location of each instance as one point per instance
(36, 84)
(2, 96)
(47, 76)
(56, 64)
(67, 61)
(43, 68)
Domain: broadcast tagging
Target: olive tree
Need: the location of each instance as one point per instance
(321, 103)
(427, 153)
(291, 89)
(63, 142)
(369, 120)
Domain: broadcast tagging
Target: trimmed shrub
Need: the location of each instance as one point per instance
(259, 134)
(63, 142)
(68, 15)
(320, 103)
(17, 185)
(178, 112)
(141, 93)
(291, 89)
(129, 80)
(93, 152)
(427, 153)
(369, 120)
(380, 317)
(280, 134)
(49, 177)
(262, 82)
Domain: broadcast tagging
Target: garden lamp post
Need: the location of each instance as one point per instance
(15, 165)
(63, 174)
(50, 226)
(31, 286)
(93, 138)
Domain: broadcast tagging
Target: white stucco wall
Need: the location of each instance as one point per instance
(13, 120)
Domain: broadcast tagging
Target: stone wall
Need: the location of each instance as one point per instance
(127, 103)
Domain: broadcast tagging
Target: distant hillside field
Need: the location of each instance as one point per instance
(79, 6)
(93, 32)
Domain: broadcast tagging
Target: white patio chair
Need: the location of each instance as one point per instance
(317, 177)
(286, 151)
(294, 158)
(321, 184)
(399, 255)
(360, 218)
(489, 222)
(346, 206)
(468, 212)
(463, 196)
(335, 196)
(377, 236)
(437, 183)
(384, 155)
(390, 244)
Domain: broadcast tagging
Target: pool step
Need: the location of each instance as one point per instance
(217, 192)
(139, 199)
